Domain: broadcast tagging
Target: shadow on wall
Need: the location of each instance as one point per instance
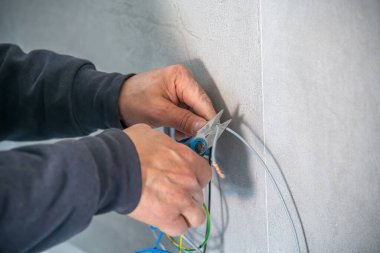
(236, 161)
(143, 35)
(165, 44)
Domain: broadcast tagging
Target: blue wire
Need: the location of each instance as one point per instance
(158, 239)
(155, 249)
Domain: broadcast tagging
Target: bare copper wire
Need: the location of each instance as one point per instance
(218, 170)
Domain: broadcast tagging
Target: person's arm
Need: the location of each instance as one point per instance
(49, 193)
(80, 100)
(45, 95)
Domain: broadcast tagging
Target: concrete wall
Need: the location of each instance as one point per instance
(301, 81)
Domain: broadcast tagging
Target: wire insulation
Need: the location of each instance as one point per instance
(158, 238)
(213, 163)
(209, 193)
(180, 244)
(207, 235)
(192, 244)
(273, 181)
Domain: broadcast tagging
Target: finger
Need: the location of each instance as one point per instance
(183, 120)
(192, 94)
(198, 196)
(177, 227)
(180, 136)
(194, 215)
(202, 171)
(190, 192)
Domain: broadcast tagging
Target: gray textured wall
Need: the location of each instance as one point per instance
(300, 79)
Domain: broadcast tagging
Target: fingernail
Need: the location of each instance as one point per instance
(198, 125)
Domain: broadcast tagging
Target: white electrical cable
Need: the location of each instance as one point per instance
(214, 146)
(213, 161)
(184, 237)
(191, 244)
(156, 237)
(270, 176)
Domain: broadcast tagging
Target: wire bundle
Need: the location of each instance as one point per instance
(214, 164)
(179, 245)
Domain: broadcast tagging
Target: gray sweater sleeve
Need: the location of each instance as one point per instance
(50, 192)
(45, 95)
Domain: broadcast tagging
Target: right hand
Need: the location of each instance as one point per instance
(173, 177)
(166, 96)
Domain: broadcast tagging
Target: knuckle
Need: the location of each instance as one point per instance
(173, 155)
(175, 173)
(204, 97)
(187, 201)
(179, 69)
(185, 121)
(189, 179)
(174, 225)
(178, 195)
(186, 174)
(175, 230)
(198, 196)
(181, 198)
(180, 72)
(189, 154)
(199, 218)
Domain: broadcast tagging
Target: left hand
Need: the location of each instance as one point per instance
(172, 179)
(166, 96)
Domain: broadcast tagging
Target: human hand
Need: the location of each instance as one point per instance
(172, 180)
(166, 96)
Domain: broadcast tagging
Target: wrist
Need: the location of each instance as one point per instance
(120, 101)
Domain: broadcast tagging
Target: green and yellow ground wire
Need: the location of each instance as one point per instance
(179, 245)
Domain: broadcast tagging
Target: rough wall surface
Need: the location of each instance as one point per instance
(300, 79)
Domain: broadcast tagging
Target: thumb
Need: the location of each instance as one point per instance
(184, 120)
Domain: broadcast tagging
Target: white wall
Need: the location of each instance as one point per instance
(301, 76)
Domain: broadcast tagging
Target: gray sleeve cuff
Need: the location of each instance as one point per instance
(119, 170)
(95, 99)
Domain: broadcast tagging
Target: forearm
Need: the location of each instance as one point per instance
(49, 193)
(45, 95)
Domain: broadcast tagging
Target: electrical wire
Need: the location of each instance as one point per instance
(209, 188)
(183, 237)
(214, 164)
(212, 158)
(212, 161)
(209, 209)
(159, 243)
(180, 244)
(158, 238)
(207, 235)
(191, 244)
(272, 179)
(155, 248)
